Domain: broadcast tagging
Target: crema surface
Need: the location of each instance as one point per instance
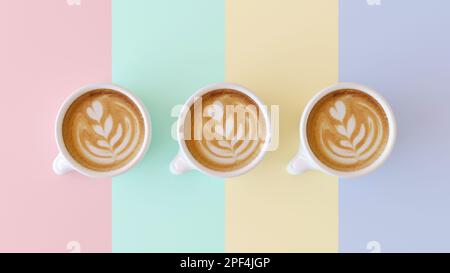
(224, 131)
(103, 130)
(347, 130)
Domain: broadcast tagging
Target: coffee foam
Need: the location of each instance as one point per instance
(230, 133)
(103, 130)
(347, 130)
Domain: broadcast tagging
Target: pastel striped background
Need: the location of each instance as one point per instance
(284, 51)
(47, 50)
(401, 48)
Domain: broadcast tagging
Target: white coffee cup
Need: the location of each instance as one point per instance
(185, 162)
(65, 163)
(306, 160)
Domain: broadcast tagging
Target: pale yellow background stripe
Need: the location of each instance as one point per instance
(285, 51)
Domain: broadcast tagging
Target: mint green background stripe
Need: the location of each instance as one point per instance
(164, 50)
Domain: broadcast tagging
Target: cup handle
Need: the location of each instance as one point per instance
(179, 165)
(61, 166)
(299, 164)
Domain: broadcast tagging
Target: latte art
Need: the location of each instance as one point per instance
(103, 130)
(347, 130)
(227, 133)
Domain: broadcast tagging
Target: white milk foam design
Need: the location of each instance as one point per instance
(228, 147)
(115, 140)
(352, 149)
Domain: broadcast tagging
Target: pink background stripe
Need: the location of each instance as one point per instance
(47, 50)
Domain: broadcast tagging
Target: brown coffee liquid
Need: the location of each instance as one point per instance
(347, 130)
(224, 130)
(103, 130)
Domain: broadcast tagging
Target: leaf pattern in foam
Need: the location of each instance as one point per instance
(229, 146)
(116, 136)
(103, 143)
(108, 125)
(338, 111)
(99, 130)
(341, 130)
(346, 143)
(351, 148)
(95, 112)
(360, 136)
(351, 126)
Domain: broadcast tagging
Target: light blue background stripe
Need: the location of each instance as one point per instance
(164, 50)
(401, 48)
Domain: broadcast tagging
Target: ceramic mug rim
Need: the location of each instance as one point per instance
(389, 145)
(60, 140)
(180, 130)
